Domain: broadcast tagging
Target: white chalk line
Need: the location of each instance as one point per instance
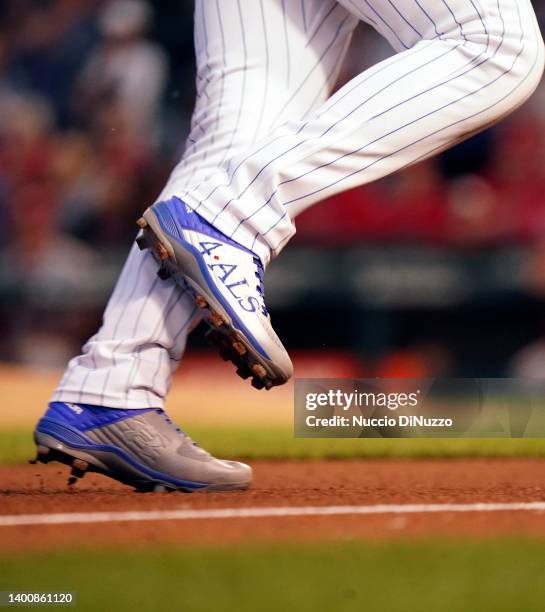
(13, 520)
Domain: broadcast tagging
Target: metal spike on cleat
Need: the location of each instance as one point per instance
(201, 302)
(259, 370)
(81, 465)
(224, 354)
(142, 223)
(79, 468)
(244, 372)
(239, 348)
(42, 453)
(77, 473)
(163, 273)
(161, 251)
(257, 383)
(216, 319)
(142, 241)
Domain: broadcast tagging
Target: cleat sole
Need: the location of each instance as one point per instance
(141, 485)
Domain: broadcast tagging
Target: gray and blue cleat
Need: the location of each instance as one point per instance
(141, 448)
(226, 281)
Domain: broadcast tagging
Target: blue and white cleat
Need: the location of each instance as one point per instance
(140, 448)
(226, 281)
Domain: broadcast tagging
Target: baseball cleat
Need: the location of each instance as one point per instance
(141, 448)
(226, 281)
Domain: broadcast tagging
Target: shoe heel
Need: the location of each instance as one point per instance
(147, 239)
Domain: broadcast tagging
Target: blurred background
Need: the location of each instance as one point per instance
(438, 270)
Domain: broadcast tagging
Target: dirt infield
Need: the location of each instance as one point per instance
(43, 490)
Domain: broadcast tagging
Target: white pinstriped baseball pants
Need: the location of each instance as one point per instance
(267, 141)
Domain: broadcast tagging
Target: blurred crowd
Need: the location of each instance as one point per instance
(84, 147)
(92, 118)
(83, 115)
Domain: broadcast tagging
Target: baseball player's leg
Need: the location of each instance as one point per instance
(129, 362)
(461, 66)
(293, 78)
(259, 64)
(245, 86)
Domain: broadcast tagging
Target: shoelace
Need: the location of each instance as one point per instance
(260, 275)
(178, 430)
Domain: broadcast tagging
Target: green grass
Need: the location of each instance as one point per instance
(16, 446)
(497, 576)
